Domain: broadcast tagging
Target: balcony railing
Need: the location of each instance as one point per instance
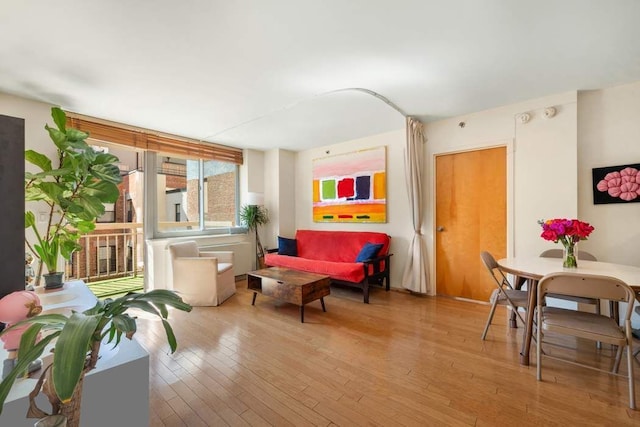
(112, 250)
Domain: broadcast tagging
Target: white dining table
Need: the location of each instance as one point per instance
(534, 268)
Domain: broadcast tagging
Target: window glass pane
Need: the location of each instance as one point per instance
(190, 204)
(220, 194)
(106, 259)
(177, 178)
(179, 196)
(109, 214)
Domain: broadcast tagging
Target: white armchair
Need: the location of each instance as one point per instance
(202, 278)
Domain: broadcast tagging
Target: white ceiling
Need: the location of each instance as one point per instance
(262, 74)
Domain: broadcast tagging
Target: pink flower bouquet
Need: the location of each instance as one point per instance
(568, 232)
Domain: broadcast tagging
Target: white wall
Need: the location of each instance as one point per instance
(272, 197)
(398, 224)
(252, 173)
(545, 172)
(608, 130)
(35, 115)
(609, 135)
(287, 184)
(280, 197)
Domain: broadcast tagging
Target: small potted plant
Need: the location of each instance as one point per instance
(75, 192)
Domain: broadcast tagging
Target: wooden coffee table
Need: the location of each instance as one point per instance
(295, 287)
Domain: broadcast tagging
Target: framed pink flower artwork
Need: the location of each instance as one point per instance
(616, 184)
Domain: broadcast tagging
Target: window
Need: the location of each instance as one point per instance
(202, 177)
(195, 195)
(129, 209)
(220, 189)
(109, 214)
(106, 259)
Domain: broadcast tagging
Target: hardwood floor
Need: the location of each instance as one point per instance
(401, 360)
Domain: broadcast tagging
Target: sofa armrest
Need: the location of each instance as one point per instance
(376, 261)
(223, 256)
(378, 272)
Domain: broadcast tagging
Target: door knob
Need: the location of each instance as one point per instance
(440, 229)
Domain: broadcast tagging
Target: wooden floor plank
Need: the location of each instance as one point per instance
(401, 360)
(254, 419)
(184, 411)
(174, 421)
(269, 415)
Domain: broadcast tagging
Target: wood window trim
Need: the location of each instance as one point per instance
(145, 139)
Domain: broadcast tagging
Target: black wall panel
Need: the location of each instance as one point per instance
(11, 204)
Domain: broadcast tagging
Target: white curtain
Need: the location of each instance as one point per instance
(415, 276)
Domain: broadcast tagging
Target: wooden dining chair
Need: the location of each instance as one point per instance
(504, 294)
(581, 324)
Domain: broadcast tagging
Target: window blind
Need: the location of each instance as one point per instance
(146, 139)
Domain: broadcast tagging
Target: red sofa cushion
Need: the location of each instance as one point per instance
(347, 271)
(337, 246)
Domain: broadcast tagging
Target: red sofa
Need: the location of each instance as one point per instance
(334, 253)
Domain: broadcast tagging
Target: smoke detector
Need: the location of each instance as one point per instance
(549, 112)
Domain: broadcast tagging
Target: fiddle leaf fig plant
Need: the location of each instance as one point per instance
(74, 187)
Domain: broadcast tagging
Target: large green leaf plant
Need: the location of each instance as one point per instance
(75, 191)
(77, 339)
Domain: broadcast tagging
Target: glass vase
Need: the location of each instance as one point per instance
(570, 256)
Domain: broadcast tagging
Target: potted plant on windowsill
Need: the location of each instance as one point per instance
(75, 192)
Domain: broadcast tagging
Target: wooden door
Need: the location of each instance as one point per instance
(471, 216)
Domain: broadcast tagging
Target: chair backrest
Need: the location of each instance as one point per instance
(586, 285)
(492, 266)
(184, 249)
(558, 253)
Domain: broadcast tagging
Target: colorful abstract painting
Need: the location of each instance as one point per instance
(351, 187)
